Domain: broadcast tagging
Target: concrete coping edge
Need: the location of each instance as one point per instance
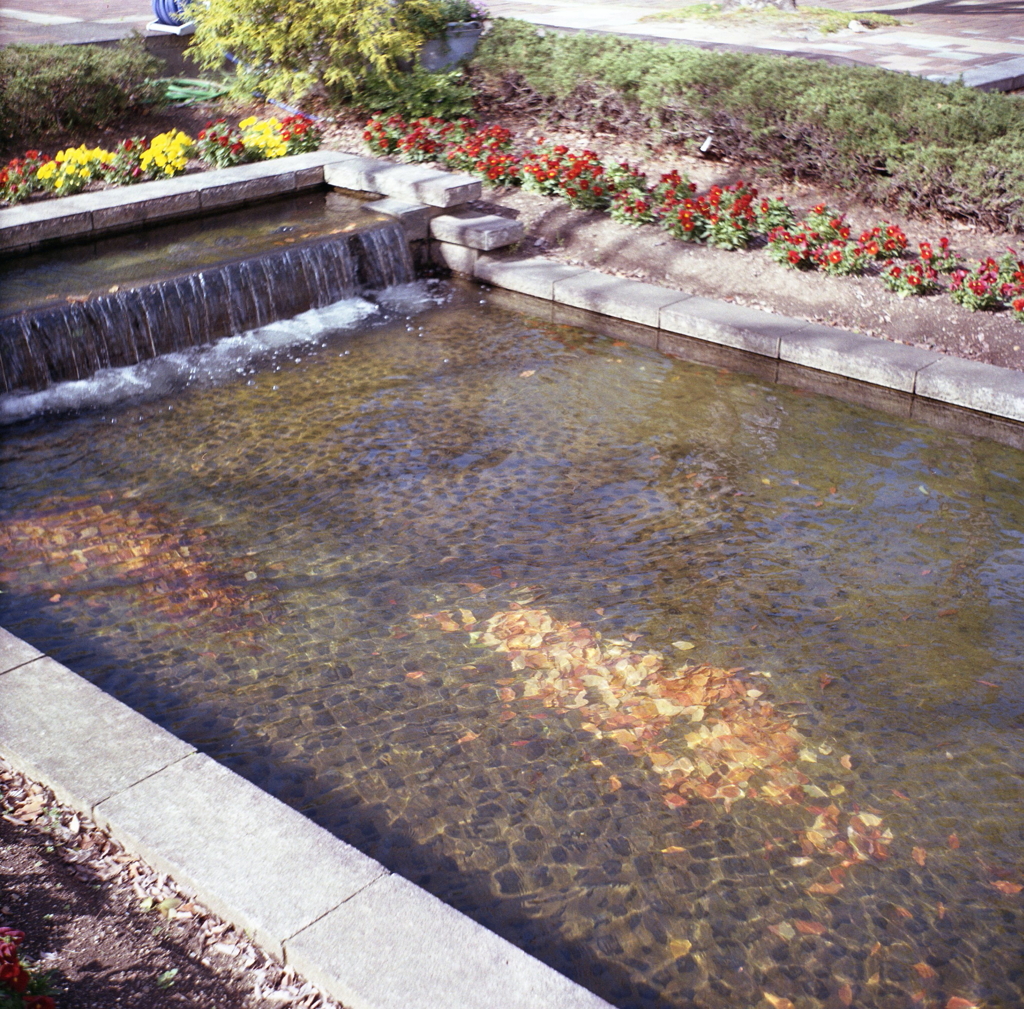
(212, 832)
(985, 389)
(78, 217)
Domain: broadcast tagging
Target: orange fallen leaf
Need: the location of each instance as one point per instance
(903, 912)
(1005, 886)
(473, 587)
(672, 849)
(829, 888)
(845, 995)
(415, 674)
(986, 683)
(899, 794)
(919, 855)
(941, 909)
(777, 1001)
(960, 1003)
(875, 950)
(953, 842)
(924, 970)
(809, 927)
(55, 598)
(613, 783)
(468, 737)
(846, 762)
(506, 716)
(528, 373)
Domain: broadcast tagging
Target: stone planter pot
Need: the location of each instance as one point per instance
(458, 43)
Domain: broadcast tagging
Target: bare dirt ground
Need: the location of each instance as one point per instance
(110, 931)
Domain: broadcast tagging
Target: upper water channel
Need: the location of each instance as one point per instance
(699, 689)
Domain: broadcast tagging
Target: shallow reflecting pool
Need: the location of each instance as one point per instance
(701, 690)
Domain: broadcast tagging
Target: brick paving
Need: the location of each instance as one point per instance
(941, 39)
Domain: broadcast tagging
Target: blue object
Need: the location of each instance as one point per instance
(170, 12)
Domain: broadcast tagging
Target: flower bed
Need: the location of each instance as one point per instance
(20, 986)
(727, 217)
(163, 156)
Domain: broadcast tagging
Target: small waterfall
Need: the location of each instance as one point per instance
(42, 346)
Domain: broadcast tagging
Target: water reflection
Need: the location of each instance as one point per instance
(470, 460)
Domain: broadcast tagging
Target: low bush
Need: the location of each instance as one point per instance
(48, 88)
(288, 48)
(446, 94)
(902, 140)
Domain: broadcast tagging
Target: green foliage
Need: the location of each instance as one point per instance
(415, 94)
(916, 144)
(52, 87)
(285, 48)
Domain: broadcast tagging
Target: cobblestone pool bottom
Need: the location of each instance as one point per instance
(703, 691)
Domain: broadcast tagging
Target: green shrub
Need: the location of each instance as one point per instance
(913, 143)
(446, 94)
(52, 87)
(286, 48)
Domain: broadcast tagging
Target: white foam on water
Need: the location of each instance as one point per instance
(417, 296)
(207, 365)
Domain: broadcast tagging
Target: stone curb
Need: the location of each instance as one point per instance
(367, 937)
(88, 215)
(675, 317)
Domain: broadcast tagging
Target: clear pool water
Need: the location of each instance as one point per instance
(434, 579)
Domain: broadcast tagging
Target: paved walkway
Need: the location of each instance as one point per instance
(941, 39)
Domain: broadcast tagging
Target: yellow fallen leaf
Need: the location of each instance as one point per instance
(765, 481)
(777, 1001)
(683, 646)
(679, 947)
(527, 374)
(672, 849)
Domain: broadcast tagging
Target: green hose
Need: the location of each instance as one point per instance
(188, 90)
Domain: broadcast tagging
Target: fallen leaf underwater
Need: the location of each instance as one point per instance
(706, 732)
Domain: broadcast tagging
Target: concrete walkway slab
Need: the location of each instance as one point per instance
(625, 299)
(254, 861)
(854, 355)
(394, 946)
(14, 652)
(730, 325)
(477, 231)
(74, 738)
(973, 384)
(536, 276)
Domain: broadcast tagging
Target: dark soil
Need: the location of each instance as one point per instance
(111, 931)
(100, 949)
